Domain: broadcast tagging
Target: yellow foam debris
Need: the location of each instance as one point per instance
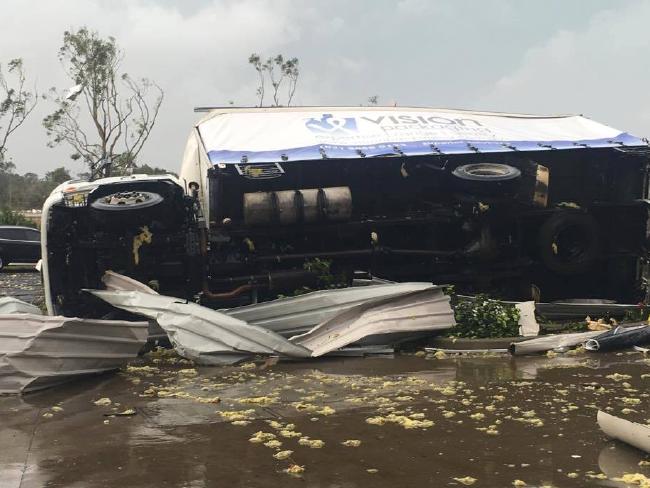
(281, 455)
(103, 402)
(260, 437)
(262, 401)
(635, 479)
(467, 480)
(351, 443)
(144, 370)
(241, 423)
(312, 443)
(618, 377)
(236, 415)
(326, 411)
(188, 372)
(295, 469)
(290, 433)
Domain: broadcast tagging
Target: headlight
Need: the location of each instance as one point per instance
(74, 196)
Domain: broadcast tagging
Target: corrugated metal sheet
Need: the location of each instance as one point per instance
(38, 351)
(296, 315)
(13, 305)
(200, 333)
(419, 311)
(380, 315)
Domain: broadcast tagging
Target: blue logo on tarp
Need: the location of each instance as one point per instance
(332, 125)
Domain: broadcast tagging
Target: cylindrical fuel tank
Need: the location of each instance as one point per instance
(288, 207)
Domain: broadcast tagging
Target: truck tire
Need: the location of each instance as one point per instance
(486, 172)
(127, 201)
(569, 243)
(487, 179)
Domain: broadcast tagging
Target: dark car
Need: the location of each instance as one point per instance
(19, 245)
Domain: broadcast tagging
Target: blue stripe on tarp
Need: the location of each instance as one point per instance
(416, 148)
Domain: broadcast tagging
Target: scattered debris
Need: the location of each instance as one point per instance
(9, 305)
(401, 316)
(295, 469)
(351, 443)
(550, 342)
(528, 325)
(297, 315)
(38, 351)
(467, 480)
(208, 336)
(441, 353)
(599, 324)
(619, 338)
(634, 434)
(201, 334)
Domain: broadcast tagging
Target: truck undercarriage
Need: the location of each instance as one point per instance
(547, 224)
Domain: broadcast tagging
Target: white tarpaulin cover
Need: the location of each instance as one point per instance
(39, 351)
(302, 133)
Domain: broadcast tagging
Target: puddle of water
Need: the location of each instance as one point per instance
(495, 419)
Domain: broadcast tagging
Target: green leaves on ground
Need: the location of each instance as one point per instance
(484, 317)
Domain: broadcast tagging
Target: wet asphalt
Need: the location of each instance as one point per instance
(354, 422)
(402, 421)
(23, 282)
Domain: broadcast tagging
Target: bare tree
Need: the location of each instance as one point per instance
(107, 116)
(277, 70)
(16, 103)
(373, 100)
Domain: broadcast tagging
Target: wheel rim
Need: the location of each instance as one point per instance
(127, 198)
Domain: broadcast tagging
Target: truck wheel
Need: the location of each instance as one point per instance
(486, 172)
(127, 200)
(569, 243)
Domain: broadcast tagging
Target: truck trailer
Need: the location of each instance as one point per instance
(276, 201)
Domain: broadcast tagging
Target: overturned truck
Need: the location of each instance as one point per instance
(272, 200)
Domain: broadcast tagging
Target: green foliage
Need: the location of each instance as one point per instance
(28, 191)
(57, 176)
(277, 69)
(10, 217)
(326, 278)
(638, 315)
(16, 103)
(107, 116)
(484, 317)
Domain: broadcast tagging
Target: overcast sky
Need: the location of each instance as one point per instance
(589, 57)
